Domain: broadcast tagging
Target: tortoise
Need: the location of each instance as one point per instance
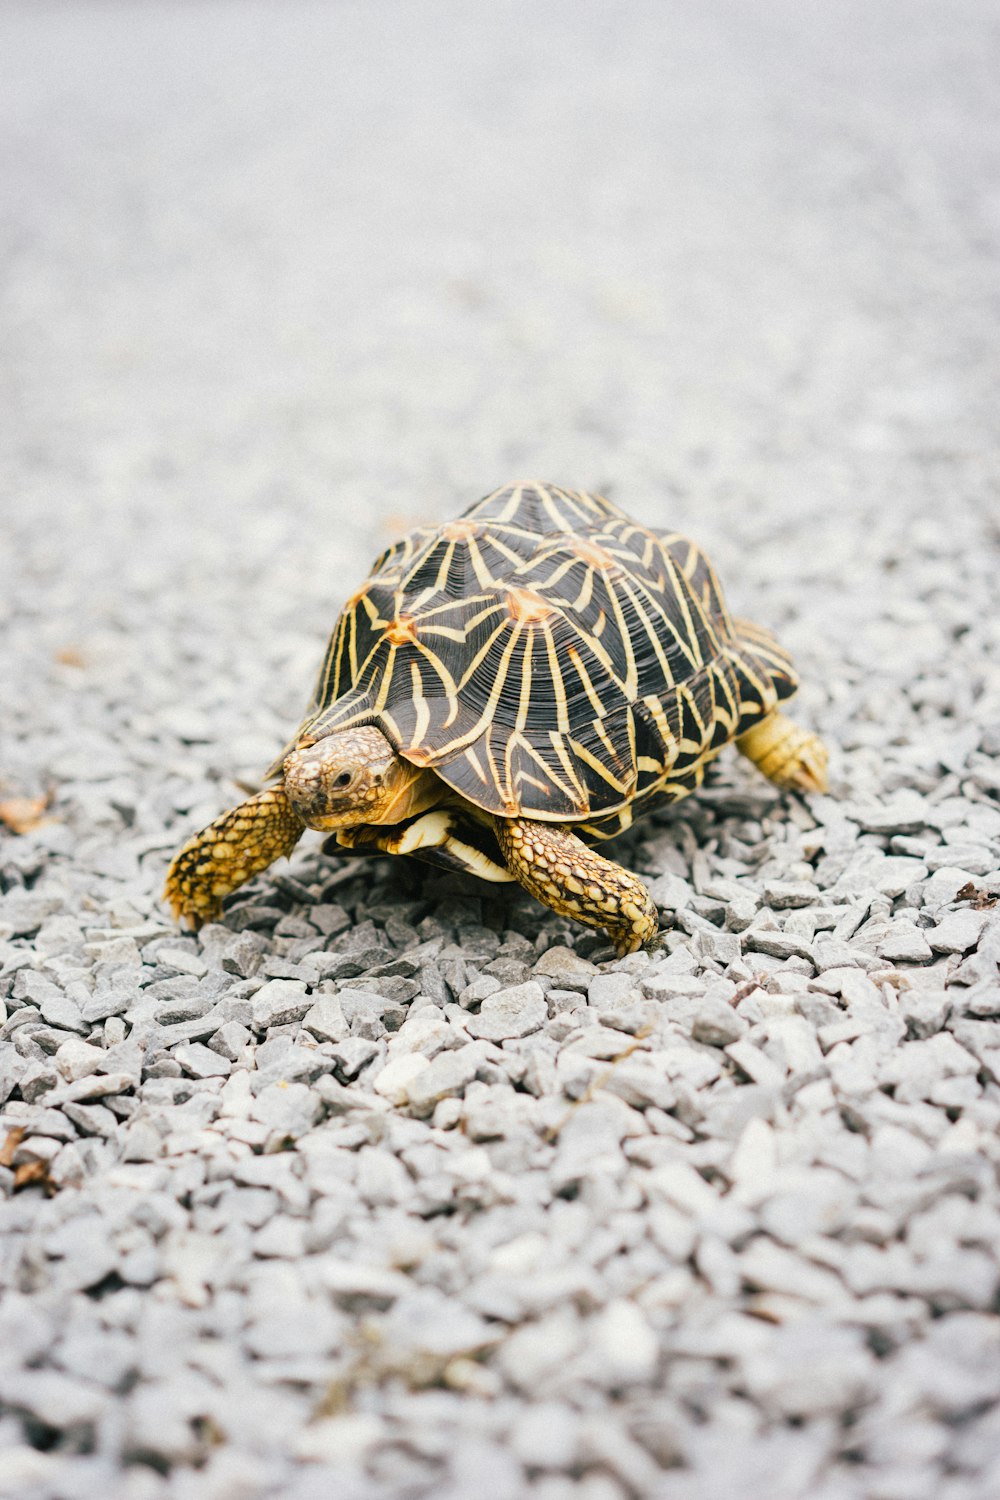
(504, 691)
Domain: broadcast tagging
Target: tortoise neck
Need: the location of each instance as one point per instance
(413, 791)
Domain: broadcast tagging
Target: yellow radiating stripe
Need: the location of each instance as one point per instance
(678, 789)
(558, 522)
(508, 766)
(599, 766)
(710, 684)
(569, 788)
(390, 723)
(686, 694)
(510, 553)
(756, 681)
(441, 632)
(640, 598)
(689, 647)
(435, 663)
(630, 684)
(559, 572)
(575, 784)
(488, 710)
(598, 648)
(477, 765)
(667, 735)
(359, 672)
(460, 607)
(586, 593)
(559, 687)
(420, 705)
(452, 713)
(728, 689)
(352, 646)
(445, 567)
(386, 682)
(658, 608)
(523, 779)
(479, 566)
(606, 741)
(524, 702)
(330, 668)
(502, 624)
(588, 686)
(707, 624)
(500, 681)
(504, 792)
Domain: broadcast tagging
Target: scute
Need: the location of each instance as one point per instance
(547, 656)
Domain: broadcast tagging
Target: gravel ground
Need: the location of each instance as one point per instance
(387, 1186)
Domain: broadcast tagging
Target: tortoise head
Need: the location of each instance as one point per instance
(354, 776)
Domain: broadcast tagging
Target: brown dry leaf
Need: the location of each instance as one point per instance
(70, 656)
(22, 814)
(31, 1173)
(10, 1145)
(981, 900)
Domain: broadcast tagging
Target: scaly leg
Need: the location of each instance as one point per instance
(786, 754)
(563, 872)
(236, 846)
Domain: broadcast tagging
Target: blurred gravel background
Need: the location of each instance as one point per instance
(383, 1188)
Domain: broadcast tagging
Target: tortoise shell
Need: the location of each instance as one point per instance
(547, 656)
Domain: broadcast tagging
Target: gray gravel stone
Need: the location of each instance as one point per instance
(566, 968)
(956, 932)
(202, 1062)
(394, 1080)
(326, 1019)
(781, 894)
(77, 1059)
(659, 1230)
(445, 1076)
(287, 1109)
(510, 1013)
(904, 943)
(230, 1040)
(278, 1002)
(715, 1023)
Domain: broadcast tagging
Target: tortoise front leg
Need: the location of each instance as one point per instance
(236, 846)
(565, 873)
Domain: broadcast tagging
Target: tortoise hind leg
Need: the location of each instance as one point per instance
(788, 755)
(561, 871)
(231, 850)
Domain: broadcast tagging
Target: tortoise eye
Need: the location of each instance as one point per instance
(344, 779)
